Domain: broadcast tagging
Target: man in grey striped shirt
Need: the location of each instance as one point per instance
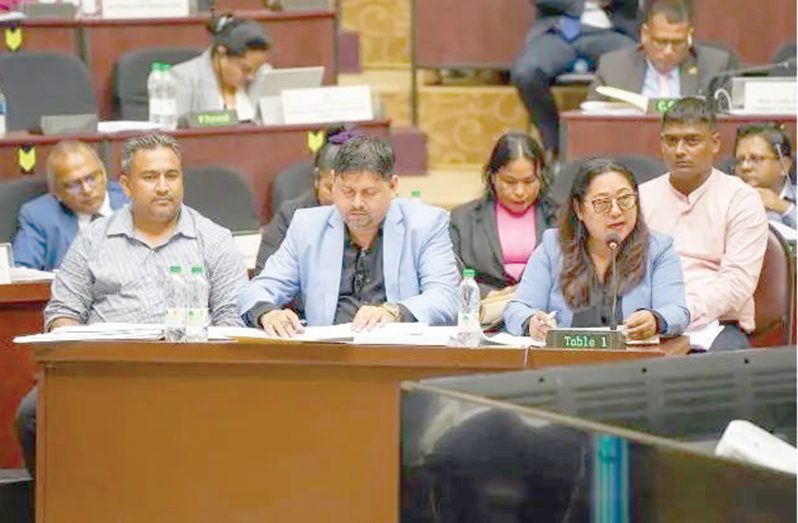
(116, 269)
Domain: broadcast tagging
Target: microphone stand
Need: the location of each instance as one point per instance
(614, 286)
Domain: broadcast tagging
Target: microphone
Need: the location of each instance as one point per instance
(715, 89)
(613, 241)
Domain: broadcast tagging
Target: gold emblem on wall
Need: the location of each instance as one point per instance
(13, 35)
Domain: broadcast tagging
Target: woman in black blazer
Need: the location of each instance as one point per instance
(485, 232)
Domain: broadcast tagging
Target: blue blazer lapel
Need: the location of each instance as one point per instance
(330, 261)
(393, 240)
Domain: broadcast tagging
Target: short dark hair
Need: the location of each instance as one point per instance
(365, 153)
(149, 142)
(776, 137)
(692, 110)
(675, 11)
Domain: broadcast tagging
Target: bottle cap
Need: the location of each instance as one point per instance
(415, 193)
(197, 269)
(469, 273)
(166, 67)
(155, 66)
(175, 269)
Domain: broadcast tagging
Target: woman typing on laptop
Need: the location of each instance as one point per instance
(218, 79)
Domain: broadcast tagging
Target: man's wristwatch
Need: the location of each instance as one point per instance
(393, 309)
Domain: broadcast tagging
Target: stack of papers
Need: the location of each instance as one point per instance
(98, 331)
(22, 274)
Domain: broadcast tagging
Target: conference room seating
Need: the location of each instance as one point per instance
(131, 73)
(644, 167)
(774, 295)
(291, 182)
(13, 194)
(37, 84)
(221, 194)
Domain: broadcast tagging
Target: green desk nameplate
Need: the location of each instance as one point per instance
(595, 339)
(213, 118)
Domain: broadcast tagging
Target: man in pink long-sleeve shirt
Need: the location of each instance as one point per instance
(717, 223)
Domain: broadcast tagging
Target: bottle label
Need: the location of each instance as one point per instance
(156, 107)
(175, 316)
(468, 322)
(196, 317)
(169, 106)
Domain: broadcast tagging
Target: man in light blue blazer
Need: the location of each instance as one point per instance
(79, 192)
(368, 259)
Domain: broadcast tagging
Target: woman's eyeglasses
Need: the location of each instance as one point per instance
(604, 205)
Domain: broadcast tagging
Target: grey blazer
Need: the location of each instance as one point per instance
(475, 240)
(197, 88)
(626, 69)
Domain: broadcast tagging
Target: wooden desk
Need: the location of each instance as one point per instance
(304, 38)
(583, 135)
(258, 152)
(21, 307)
(237, 431)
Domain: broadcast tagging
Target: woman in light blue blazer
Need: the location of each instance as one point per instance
(567, 281)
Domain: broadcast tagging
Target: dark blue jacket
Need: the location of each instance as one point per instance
(47, 228)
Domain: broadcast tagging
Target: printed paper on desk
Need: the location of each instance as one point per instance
(145, 8)
(327, 105)
(5, 262)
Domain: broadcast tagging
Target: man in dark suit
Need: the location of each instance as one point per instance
(666, 64)
(79, 192)
(565, 31)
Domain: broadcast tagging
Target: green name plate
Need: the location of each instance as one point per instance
(586, 339)
(213, 119)
(660, 105)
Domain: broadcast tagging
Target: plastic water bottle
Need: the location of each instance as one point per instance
(175, 305)
(469, 331)
(3, 112)
(168, 99)
(154, 93)
(197, 311)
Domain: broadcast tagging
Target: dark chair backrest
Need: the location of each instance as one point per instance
(13, 194)
(130, 78)
(644, 167)
(774, 295)
(39, 83)
(291, 182)
(221, 194)
(723, 46)
(784, 53)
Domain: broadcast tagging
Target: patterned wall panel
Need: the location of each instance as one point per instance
(384, 29)
(462, 123)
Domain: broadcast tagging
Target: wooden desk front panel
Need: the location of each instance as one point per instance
(300, 39)
(475, 34)
(592, 135)
(58, 36)
(755, 30)
(281, 440)
(21, 307)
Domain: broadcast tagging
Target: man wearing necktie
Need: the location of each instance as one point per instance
(566, 31)
(666, 64)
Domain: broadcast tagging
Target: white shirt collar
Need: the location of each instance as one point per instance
(105, 210)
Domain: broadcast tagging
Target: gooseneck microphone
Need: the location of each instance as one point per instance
(613, 241)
